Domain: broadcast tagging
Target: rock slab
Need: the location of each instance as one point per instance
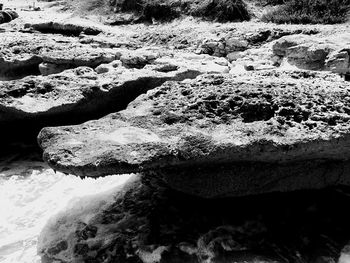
(219, 135)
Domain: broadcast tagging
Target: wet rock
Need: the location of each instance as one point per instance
(219, 135)
(144, 221)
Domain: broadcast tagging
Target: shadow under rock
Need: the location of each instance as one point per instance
(148, 220)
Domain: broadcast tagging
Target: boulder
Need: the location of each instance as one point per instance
(303, 51)
(145, 222)
(339, 61)
(7, 16)
(315, 53)
(219, 135)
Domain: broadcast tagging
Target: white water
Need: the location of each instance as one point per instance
(30, 193)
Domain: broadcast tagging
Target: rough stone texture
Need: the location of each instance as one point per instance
(145, 222)
(81, 94)
(58, 61)
(22, 53)
(315, 53)
(219, 135)
(235, 41)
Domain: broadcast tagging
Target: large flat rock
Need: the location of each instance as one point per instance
(81, 94)
(219, 135)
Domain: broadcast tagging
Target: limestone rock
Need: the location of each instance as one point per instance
(23, 54)
(58, 61)
(145, 222)
(219, 135)
(80, 94)
(315, 53)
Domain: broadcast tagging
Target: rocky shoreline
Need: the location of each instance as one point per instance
(237, 141)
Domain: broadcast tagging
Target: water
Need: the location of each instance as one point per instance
(30, 193)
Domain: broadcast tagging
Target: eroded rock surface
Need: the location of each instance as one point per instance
(315, 53)
(145, 222)
(219, 135)
(81, 94)
(57, 61)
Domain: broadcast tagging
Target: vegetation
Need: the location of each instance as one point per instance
(219, 10)
(310, 12)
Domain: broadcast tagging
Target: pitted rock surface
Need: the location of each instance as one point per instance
(81, 94)
(216, 135)
(24, 54)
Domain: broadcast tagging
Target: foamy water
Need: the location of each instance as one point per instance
(30, 193)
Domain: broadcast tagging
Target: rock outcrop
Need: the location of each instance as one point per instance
(81, 94)
(315, 53)
(219, 135)
(58, 61)
(145, 222)
(7, 16)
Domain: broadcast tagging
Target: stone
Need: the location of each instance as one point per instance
(23, 54)
(219, 135)
(57, 61)
(7, 16)
(80, 94)
(64, 28)
(143, 221)
(314, 53)
(233, 56)
(339, 61)
(138, 59)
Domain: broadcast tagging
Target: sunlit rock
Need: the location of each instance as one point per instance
(219, 135)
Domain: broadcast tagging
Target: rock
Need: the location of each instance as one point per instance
(80, 94)
(7, 16)
(345, 255)
(305, 52)
(58, 61)
(64, 28)
(219, 135)
(314, 53)
(17, 68)
(223, 46)
(144, 222)
(339, 61)
(23, 54)
(138, 59)
(233, 56)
